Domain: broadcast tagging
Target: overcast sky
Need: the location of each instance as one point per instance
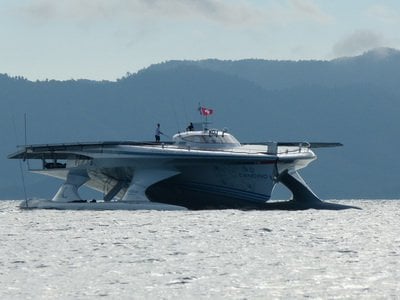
(105, 39)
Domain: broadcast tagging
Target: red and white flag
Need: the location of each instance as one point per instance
(206, 111)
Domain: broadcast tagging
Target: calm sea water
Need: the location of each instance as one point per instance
(230, 254)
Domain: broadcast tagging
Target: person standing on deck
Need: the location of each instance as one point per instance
(158, 133)
(190, 127)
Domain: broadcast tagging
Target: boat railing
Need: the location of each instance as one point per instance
(272, 148)
(301, 147)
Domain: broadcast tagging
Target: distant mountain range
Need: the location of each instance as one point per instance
(353, 100)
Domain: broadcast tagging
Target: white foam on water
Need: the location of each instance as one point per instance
(201, 254)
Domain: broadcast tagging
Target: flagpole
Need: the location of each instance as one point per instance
(205, 112)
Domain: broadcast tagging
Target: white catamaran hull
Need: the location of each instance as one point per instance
(94, 205)
(206, 169)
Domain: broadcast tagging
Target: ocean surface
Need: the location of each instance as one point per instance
(225, 254)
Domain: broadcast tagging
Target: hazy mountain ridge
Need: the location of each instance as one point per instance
(276, 75)
(352, 100)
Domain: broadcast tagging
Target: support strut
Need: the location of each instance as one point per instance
(68, 192)
(303, 196)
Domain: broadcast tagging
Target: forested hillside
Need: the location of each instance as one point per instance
(353, 100)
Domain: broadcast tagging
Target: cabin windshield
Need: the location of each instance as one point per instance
(206, 139)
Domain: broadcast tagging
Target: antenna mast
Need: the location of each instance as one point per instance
(20, 166)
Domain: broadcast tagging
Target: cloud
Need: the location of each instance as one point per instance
(227, 12)
(40, 9)
(221, 11)
(307, 9)
(358, 42)
(383, 13)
